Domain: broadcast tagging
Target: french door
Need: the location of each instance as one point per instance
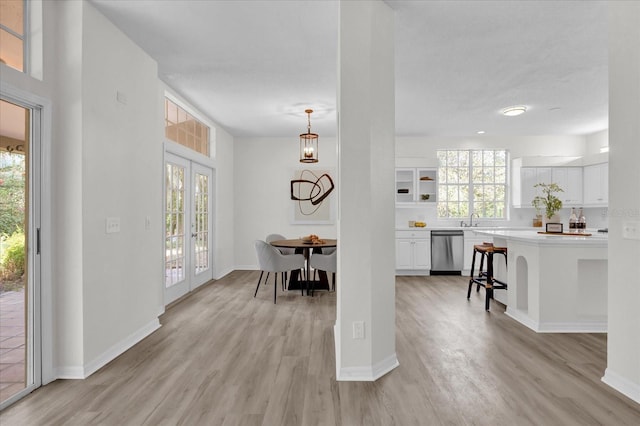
(20, 272)
(188, 224)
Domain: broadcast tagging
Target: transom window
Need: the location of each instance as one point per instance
(472, 181)
(12, 33)
(183, 128)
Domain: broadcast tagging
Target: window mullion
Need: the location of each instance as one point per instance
(470, 195)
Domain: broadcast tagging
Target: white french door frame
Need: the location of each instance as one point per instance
(192, 278)
(39, 308)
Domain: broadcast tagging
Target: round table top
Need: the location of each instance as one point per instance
(298, 243)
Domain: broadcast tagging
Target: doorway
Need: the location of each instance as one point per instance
(20, 367)
(188, 224)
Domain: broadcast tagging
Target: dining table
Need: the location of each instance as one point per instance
(307, 248)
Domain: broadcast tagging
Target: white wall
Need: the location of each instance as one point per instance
(596, 141)
(121, 177)
(263, 169)
(623, 340)
(224, 204)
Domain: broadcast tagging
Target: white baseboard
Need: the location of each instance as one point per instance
(246, 268)
(412, 272)
(69, 373)
(368, 373)
(224, 273)
(522, 318)
(79, 372)
(119, 348)
(622, 385)
(557, 327)
(363, 373)
(573, 327)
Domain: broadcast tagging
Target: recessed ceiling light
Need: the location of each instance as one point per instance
(481, 132)
(512, 111)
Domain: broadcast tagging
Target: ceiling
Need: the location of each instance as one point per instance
(254, 66)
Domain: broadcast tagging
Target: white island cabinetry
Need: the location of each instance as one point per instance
(556, 283)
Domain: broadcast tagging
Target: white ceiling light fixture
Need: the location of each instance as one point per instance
(512, 111)
(480, 132)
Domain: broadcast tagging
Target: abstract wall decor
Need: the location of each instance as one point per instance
(311, 195)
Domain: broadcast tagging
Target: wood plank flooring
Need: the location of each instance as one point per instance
(225, 358)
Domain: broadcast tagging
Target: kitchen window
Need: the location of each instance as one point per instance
(472, 181)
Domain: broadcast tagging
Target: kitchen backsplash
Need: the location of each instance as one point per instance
(596, 217)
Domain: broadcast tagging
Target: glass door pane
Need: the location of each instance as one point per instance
(19, 333)
(176, 213)
(201, 225)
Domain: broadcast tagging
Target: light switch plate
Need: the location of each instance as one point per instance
(631, 230)
(112, 225)
(358, 329)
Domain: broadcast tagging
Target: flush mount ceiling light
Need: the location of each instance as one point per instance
(308, 143)
(512, 111)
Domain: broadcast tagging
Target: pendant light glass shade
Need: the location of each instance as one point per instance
(308, 143)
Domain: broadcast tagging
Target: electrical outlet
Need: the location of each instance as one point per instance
(631, 230)
(112, 225)
(358, 329)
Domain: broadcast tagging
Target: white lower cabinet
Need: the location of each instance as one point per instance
(413, 251)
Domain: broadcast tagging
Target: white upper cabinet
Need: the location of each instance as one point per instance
(416, 186)
(529, 177)
(405, 186)
(596, 185)
(570, 180)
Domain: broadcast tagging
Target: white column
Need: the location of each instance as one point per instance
(623, 342)
(366, 264)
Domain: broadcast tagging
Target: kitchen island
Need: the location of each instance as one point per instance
(556, 283)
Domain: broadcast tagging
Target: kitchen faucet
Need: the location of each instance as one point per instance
(471, 218)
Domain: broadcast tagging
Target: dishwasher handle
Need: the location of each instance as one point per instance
(447, 233)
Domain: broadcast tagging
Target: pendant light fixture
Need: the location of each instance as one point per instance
(308, 143)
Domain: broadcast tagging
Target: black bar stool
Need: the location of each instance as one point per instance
(486, 279)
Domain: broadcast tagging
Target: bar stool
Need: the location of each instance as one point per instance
(486, 279)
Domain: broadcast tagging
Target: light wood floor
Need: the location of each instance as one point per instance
(225, 358)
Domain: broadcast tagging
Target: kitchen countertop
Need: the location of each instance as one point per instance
(465, 228)
(533, 237)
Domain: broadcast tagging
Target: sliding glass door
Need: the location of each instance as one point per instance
(20, 168)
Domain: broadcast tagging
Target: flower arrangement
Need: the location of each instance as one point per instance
(548, 201)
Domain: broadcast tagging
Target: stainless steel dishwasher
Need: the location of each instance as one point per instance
(447, 252)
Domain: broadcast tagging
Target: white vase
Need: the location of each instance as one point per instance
(554, 219)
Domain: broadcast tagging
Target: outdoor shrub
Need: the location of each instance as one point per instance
(13, 254)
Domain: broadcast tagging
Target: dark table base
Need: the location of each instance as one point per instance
(296, 282)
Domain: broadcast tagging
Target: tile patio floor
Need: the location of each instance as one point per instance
(12, 343)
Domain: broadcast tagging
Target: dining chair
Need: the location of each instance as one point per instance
(270, 259)
(326, 261)
(284, 250)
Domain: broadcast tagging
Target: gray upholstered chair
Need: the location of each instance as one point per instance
(270, 259)
(326, 261)
(283, 250)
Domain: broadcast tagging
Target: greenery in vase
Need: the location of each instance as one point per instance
(548, 201)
